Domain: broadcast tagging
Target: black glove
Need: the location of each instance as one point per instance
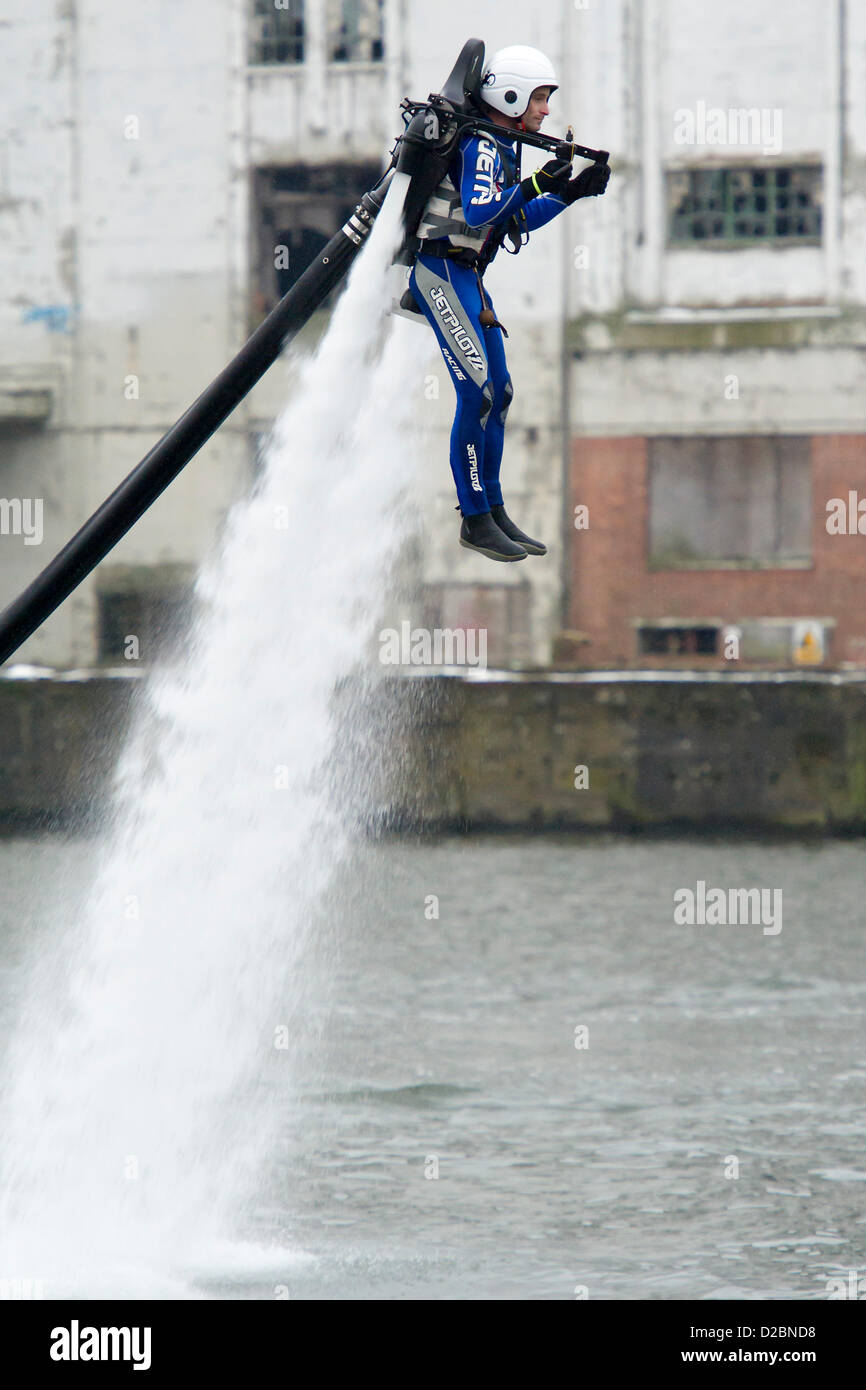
(552, 178)
(589, 183)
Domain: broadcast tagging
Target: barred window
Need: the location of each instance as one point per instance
(707, 206)
(356, 31)
(277, 31)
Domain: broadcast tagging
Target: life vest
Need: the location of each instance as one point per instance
(442, 218)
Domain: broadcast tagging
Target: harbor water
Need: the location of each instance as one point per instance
(439, 1133)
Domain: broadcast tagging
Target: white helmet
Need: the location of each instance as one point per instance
(512, 75)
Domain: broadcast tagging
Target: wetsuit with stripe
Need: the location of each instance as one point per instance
(470, 209)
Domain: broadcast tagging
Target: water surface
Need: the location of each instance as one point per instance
(441, 1136)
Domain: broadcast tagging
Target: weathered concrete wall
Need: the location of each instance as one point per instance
(727, 754)
(502, 752)
(59, 741)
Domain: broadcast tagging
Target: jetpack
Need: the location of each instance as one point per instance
(433, 130)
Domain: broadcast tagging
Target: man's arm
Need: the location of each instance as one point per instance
(589, 183)
(543, 210)
(483, 205)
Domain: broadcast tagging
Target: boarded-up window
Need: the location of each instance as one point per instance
(739, 501)
(500, 611)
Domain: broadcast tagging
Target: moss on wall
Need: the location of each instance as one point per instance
(762, 755)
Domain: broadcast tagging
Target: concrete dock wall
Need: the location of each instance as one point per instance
(618, 751)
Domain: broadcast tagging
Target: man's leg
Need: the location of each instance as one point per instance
(448, 295)
(503, 392)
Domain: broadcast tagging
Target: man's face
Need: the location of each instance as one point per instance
(537, 109)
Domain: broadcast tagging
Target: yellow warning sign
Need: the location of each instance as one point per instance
(808, 643)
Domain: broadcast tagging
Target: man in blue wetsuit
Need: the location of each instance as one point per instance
(480, 201)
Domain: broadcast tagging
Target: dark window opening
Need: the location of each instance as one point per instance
(297, 211)
(677, 641)
(136, 629)
(303, 245)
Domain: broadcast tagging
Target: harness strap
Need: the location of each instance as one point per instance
(487, 318)
(443, 249)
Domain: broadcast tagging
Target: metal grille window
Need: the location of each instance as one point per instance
(356, 30)
(707, 206)
(277, 31)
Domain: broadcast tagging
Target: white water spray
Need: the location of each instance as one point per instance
(133, 1120)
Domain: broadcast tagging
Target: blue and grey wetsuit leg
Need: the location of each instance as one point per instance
(449, 296)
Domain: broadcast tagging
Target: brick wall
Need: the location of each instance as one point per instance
(610, 583)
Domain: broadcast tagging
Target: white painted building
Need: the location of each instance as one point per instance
(150, 155)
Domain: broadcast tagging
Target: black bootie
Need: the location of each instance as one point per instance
(514, 533)
(482, 534)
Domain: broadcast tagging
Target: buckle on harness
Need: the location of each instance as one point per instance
(443, 250)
